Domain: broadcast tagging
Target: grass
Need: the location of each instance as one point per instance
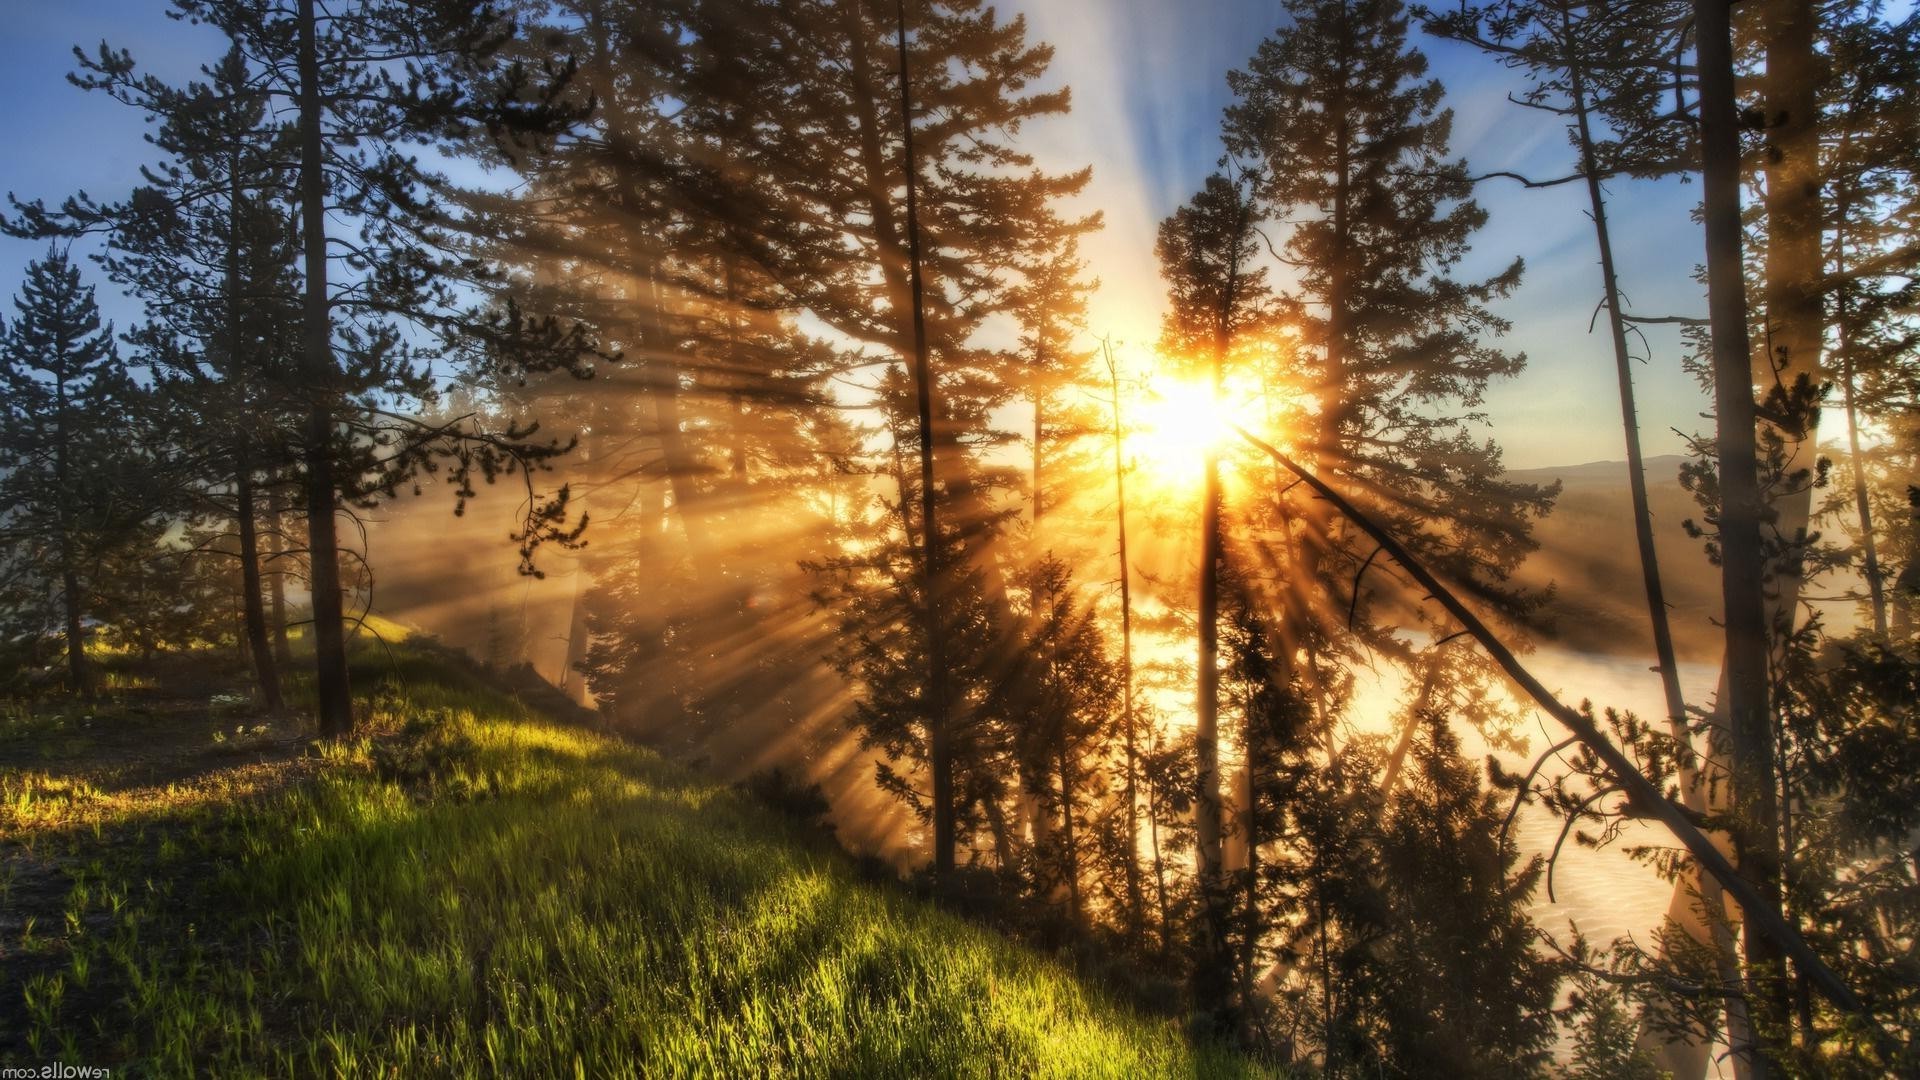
(474, 889)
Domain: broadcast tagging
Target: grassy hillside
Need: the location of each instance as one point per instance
(477, 889)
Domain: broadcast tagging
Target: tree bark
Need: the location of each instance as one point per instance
(331, 687)
(76, 635)
(1697, 905)
(1742, 512)
(70, 598)
(254, 614)
(1213, 964)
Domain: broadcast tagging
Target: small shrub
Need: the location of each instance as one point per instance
(792, 796)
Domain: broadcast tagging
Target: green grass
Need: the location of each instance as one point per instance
(477, 890)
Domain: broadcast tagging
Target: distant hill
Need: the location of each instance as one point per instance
(1587, 551)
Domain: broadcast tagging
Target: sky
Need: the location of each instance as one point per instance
(1149, 83)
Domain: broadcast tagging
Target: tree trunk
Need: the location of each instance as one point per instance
(331, 687)
(1159, 870)
(940, 752)
(276, 572)
(76, 635)
(1863, 506)
(1131, 790)
(70, 597)
(1071, 863)
(1034, 782)
(1697, 906)
(1396, 759)
(572, 680)
(254, 615)
(663, 387)
(1795, 263)
(1213, 964)
(1250, 870)
(1742, 562)
(1762, 911)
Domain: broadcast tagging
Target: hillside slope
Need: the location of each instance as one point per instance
(477, 889)
(1588, 551)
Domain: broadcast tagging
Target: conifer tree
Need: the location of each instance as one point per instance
(1395, 357)
(1596, 67)
(365, 86)
(69, 459)
(207, 246)
(1217, 293)
(1870, 187)
(824, 209)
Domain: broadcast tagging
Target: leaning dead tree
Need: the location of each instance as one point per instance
(1641, 791)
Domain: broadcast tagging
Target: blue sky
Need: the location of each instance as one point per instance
(1149, 83)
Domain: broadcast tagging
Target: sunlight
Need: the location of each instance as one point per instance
(1175, 423)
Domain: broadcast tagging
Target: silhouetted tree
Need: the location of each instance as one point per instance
(207, 245)
(1207, 251)
(365, 86)
(1395, 355)
(70, 459)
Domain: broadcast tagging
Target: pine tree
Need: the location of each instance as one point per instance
(1870, 184)
(1066, 744)
(1394, 361)
(206, 245)
(1468, 985)
(1597, 68)
(1217, 293)
(366, 85)
(69, 463)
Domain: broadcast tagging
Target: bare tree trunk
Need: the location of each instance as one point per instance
(253, 614)
(1212, 964)
(1697, 906)
(1742, 513)
(329, 633)
(1034, 782)
(1131, 789)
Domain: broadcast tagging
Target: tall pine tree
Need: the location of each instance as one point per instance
(69, 456)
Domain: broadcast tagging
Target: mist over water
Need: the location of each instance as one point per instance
(1606, 893)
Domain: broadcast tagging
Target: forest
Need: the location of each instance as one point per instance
(744, 538)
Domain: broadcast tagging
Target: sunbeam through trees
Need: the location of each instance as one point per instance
(960, 537)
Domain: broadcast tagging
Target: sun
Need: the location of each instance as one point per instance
(1174, 425)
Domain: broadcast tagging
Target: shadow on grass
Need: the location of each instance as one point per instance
(472, 889)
